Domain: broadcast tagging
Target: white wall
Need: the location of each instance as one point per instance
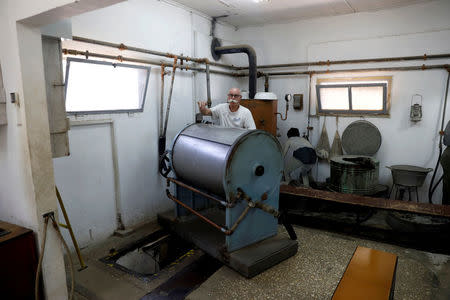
(25, 163)
(26, 169)
(412, 30)
(152, 25)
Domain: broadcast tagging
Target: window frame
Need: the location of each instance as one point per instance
(98, 62)
(383, 81)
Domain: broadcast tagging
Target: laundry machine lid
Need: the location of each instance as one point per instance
(361, 138)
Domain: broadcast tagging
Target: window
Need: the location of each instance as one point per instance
(104, 87)
(354, 96)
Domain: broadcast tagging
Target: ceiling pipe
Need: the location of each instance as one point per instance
(152, 52)
(120, 58)
(252, 74)
(306, 73)
(352, 61)
(273, 66)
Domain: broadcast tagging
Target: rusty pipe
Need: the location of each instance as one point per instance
(266, 82)
(182, 184)
(352, 61)
(222, 229)
(208, 85)
(285, 114)
(169, 100)
(410, 68)
(161, 110)
(147, 51)
(154, 62)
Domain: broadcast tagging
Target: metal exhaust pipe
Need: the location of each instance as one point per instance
(252, 73)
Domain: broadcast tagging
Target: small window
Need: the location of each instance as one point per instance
(104, 87)
(359, 96)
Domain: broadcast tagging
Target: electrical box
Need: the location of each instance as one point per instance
(298, 101)
(264, 113)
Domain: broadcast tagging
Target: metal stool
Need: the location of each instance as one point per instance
(401, 188)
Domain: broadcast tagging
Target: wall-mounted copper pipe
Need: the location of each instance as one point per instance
(285, 114)
(152, 52)
(154, 62)
(352, 61)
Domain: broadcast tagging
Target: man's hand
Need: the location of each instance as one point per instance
(323, 154)
(202, 106)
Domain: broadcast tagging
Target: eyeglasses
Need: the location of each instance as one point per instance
(234, 96)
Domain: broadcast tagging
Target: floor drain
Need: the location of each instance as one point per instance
(149, 255)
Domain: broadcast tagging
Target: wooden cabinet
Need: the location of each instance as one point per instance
(264, 114)
(18, 262)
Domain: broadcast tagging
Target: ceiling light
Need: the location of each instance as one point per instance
(261, 1)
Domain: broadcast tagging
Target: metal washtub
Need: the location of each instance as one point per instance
(407, 175)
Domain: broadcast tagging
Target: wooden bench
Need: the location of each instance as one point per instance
(370, 274)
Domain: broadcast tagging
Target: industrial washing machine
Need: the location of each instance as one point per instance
(226, 190)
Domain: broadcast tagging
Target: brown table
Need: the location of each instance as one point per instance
(18, 262)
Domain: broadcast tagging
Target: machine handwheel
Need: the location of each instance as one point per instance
(164, 164)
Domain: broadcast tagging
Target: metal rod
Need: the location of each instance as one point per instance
(352, 61)
(144, 61)
(161, 109)
(152, 52)
(222, 229)
(182, 184)
(441, 133)
(208, 86)
(410, 68)
(69, 227)
(266, 83)
(169, 100)
(308, 128)
(239, 220)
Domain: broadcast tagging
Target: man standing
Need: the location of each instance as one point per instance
(230, 114)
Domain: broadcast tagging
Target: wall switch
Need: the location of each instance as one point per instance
(14, 98)
(298, 102)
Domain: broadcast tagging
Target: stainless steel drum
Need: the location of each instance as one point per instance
(357, 171)
(222, 159)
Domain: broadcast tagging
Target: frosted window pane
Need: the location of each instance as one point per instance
(97, 87)
(367, 98)
(334, 98)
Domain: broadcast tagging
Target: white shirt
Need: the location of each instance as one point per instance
(242, 118)
(292, 164)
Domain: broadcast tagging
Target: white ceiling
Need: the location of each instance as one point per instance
(243, 13)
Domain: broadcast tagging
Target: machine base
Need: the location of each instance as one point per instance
(248, 261)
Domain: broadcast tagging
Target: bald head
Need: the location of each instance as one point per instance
(234, 91)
